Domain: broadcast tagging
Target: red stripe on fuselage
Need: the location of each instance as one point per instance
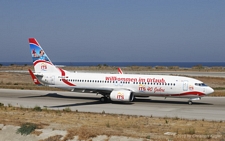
(190, 93)
(193, 93)
(64, 80)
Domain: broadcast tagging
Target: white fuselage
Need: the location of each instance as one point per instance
(140, 85)
(114, 87)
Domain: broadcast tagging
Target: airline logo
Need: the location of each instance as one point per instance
(142, 88)
(43, 67)
(191, 87)
(120, 96)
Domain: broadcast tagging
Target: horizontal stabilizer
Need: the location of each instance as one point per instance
(34, 78)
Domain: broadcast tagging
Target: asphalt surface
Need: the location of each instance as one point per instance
(209, 108)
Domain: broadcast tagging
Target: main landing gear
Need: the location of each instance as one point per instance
(104, 99)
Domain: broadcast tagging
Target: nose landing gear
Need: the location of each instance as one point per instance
(190, 102)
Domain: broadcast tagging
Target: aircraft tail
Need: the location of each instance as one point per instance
(41, 61)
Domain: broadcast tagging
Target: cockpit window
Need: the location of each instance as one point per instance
(200, 84)
(203, 84)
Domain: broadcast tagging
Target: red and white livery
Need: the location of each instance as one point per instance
(114, 87)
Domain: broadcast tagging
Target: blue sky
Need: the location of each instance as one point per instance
(114, 31)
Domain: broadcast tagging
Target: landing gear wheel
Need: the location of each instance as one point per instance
(103, 99)
(190, 102)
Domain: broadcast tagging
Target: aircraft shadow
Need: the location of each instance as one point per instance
(170, 102)
(82, 104)
(76, 104)
(96, 100)
(55, 95)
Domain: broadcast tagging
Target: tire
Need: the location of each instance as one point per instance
(190, 102)
(103, 99)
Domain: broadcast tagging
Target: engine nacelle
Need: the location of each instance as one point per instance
(121, 95)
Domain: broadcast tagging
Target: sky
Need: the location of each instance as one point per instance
(114, 30)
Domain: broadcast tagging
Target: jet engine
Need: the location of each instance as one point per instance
(121, 95)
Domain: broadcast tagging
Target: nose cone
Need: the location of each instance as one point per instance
(209, 90)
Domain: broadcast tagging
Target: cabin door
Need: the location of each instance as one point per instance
(185, 85)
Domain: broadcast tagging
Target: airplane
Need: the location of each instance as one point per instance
(114, 87)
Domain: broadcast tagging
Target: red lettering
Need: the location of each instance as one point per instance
(158, 90)
(120, 97)
(150, 89)
(142, 89)
(141, 80)
(114, 78)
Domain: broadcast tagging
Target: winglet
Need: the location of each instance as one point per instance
(120, 71)
(34, 78)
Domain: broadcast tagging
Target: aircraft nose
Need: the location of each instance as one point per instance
(209, 90)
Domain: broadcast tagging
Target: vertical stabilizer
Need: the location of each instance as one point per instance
(41, 61)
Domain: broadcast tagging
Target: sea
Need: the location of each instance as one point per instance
(127, 64)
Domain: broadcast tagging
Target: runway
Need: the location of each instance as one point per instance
(209, 108)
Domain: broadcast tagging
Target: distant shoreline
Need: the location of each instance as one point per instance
(126, 64)
(113, 69)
